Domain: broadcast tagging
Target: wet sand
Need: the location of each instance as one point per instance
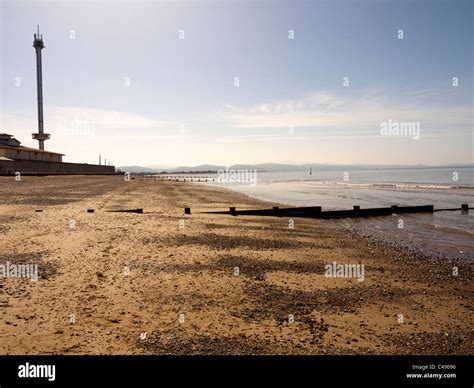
(164, 282)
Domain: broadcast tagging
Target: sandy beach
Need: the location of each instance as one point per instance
(163, 282)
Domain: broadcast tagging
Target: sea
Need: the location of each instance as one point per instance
(444, 233)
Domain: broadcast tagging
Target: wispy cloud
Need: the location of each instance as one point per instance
(103, 119)
(336, 124)
(354, 113)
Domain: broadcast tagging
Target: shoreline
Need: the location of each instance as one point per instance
(181, 288)
(429, 251)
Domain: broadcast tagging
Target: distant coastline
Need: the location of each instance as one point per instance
(280, 167)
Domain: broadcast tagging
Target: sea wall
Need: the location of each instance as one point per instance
(32, 167)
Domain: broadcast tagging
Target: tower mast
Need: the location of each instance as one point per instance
(39, 45)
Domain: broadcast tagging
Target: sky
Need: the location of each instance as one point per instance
(221, 82)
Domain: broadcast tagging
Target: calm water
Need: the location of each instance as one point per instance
(449, 233)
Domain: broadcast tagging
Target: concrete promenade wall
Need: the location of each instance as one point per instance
(33, 167)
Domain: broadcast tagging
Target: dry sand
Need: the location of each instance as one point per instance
(171, 278)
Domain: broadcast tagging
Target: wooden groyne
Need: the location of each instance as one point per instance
(317, 212)
(138, 211)
(180, 178)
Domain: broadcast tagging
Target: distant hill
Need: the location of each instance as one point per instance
(274, 167)
(161, 167)
(202, 167)
(136, 169)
